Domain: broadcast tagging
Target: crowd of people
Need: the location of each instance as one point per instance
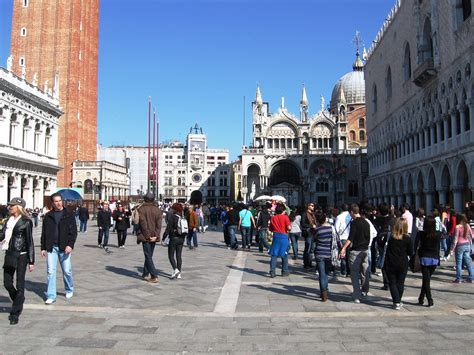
(355, 241)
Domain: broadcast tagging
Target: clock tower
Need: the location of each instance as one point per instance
(196, 152)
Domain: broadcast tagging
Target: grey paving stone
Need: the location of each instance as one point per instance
(132, 329)
(264, 331)
(87, 343)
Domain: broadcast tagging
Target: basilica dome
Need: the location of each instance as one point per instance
(351, 86)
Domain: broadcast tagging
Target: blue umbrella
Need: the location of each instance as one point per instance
(70, 195)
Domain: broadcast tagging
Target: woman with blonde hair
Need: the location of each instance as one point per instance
(16, 239)
(397, 251)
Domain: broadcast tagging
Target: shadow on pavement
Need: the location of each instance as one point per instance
(36, 287)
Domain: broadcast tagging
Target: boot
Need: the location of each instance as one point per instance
(324, 296)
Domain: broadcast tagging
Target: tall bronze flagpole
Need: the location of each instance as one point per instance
(157, 155)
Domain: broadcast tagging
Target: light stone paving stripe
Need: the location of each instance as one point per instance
(227, 302)
(446, 311)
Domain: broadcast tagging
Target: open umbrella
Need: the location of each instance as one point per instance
(70, 195)
(278, 198)
(263, 198)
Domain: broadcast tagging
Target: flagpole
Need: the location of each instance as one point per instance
(149, 129)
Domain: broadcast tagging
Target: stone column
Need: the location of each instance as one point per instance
(3, 186)
(399, 200)
(418, 201)
(439, 124)
(28, 191)
(38, 192)
(462, 115)
(453, 122)
(446, 127)
(16, 186)
(442, 196)
(429, 201)
(432, 134)
(408, 198)
(471, 115)
(4, 125)
(393, 200)
(457, 198)
(425, 135)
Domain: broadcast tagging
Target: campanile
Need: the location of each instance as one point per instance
(58, 41)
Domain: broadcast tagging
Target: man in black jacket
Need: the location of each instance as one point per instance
(83, 218)
(58, 236)
(104, 221)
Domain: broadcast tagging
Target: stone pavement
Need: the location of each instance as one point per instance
(225, 303)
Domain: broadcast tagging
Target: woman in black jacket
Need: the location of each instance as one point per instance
(174, 231)
(122, 223)
(17, 241)
(428, 251)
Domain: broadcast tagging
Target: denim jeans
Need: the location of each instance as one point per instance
(444, 247)
(323, 270)
(345, 269)
(232, 229)
(225, 230)
(121, 237)
(83, 226)
(294, 242)
(192, 235)
(65, 261)
(262, 239)
(359, 263)
(309, 246)
(149, 266)
(246, 237)
(463, 256)
(284, 263)
(104, 236)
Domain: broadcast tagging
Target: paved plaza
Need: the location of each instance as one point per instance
(225, 303)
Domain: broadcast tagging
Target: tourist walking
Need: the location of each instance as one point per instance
(324, 238)
(176, 230)
(122, 223)
(150, 220)
(308, 227)
(193, 224)
(263, 223)
(461, 247)
(280, 225)
(295, 234)
(428, 251)
(83, 218)
(246, 221)
(104, 222)
(342, 225)
(383, 223)
(358, 241)
(16, 239)
(233, 222)
(58, 236)
(397, 252)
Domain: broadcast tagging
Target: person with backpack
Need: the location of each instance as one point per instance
(176, 230)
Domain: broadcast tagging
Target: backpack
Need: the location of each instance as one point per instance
(182, 227)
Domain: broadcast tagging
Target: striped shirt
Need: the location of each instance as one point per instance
(323, 238)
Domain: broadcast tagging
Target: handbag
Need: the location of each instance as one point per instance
(335, 260)
(11, 259)
(417, 263)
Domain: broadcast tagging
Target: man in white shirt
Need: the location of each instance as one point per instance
(343, 227)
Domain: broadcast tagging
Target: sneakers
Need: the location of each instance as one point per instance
(356, 300)
(272, 274)
(286, 273)
(99, 245)
(205, 228)
(397, 306)
(174, 274)
(179, 276)
(457, 281)
(49, 301)
(69, 295)
(153, 280)
(364, 294)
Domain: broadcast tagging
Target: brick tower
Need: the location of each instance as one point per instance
(59, 39)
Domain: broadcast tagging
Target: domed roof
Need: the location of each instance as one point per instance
(351, 86)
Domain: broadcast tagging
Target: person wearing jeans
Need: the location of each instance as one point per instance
(176, 239)
(58, 236)
(232, 217)
(308, 226)
(104, 223)
(246, 221)
(295, 234)
(263, 223)
(280, 225)
(359, 239)
(461, 247)
(193, 224)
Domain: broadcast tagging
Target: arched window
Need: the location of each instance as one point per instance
(47, 140)
(352, 135)
(374, 99)
(24, 142)
(466, 9)
(13, 124)
(322, 185)
(361, 122)
(362, 136)
(427, 44)
(407, 63)
(353, 189)
(37, 137)
(388, 83)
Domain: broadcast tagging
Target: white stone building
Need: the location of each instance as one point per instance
(28, 140)
(420, 93)
(318, 157)
(101, 180)
(182, 168)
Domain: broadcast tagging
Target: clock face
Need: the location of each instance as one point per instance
(197, 177)
(196, 147)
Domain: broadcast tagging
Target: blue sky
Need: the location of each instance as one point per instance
(197, 59)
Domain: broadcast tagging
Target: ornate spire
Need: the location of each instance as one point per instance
(304, 98)
(358, 63)
(258, 97)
